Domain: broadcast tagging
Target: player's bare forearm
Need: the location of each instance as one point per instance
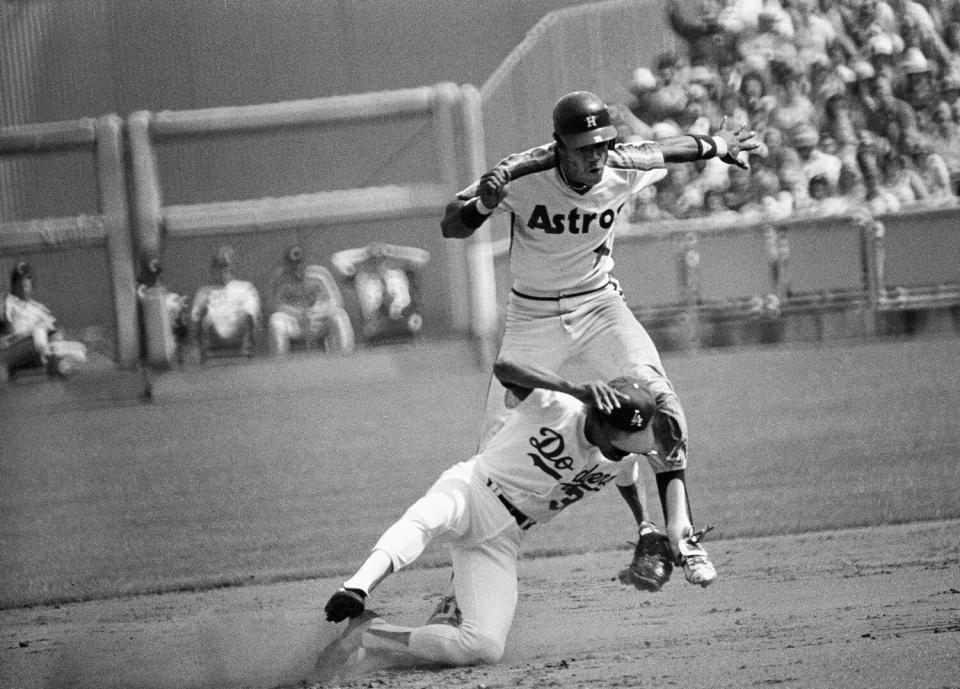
(631, 496)
(529, 376)
(526, 376)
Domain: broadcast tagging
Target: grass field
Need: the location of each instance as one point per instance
(261, 471)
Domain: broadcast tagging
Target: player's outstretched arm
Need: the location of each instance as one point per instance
(727, 143)
(528, 376)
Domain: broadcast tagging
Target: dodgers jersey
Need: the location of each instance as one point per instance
(542, 460)
(562, 240)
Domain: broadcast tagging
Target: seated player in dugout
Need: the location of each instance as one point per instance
(563, 443)
(29, 336)
(308, 308)
(226, 314)
(565, 312)
(384, 278)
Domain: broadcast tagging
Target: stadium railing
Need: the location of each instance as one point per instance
(65, 249)
(696, 284)
(332, 219)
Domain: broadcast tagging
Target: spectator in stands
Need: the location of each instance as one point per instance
(773, 40)
(755, 100)
(740, 191)
(794, 108)
(307, 307)
(934, 171)
(824, 199)
(785, 162)
(646, 208)
(770, 201)
(945, 137)
(880, 200)
(697, 23)
(865, 19)
(950, 70)
(666, 97)
(892, 117)
(675, 198)
(919, 87)
(902, 178)
(861, 100)
(837, 123)
(715, 208)
(823, 79)
(835, 13)
(227, 314)
(709, 98)
(29, 337)
(740, 17)
(851, 185)
(917, 29)
(813, 32)
(840, 56)
(813, 160)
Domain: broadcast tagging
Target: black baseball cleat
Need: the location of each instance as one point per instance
(345, 603)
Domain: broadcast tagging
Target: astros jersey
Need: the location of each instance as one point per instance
(562, 240)
(542, 460)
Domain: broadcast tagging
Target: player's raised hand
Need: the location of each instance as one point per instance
(739, 139)
(600, 395)
(493, 187)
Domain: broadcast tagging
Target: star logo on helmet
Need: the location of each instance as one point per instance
(591, 121)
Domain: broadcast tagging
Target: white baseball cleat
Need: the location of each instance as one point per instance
(696, 565)
(345, 653)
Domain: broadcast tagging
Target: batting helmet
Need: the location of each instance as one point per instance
(581, 119)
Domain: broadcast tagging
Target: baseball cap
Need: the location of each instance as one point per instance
(225, 257)
(293, 255)
(626, 424)
(20, 271)
(581, 119)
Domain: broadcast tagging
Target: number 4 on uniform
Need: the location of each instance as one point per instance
(602, 251)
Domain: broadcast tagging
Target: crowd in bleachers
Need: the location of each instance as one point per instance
(857, 103)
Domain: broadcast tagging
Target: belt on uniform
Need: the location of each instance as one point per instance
(561, 295)
(523, 521)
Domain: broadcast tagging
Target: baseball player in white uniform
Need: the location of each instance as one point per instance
(565, 311)
(563, 443)
(228, 312)
(33, 338)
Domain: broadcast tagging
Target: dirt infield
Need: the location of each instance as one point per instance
(875, 608)
(110, 496)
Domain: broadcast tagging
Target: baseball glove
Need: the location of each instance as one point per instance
(652, 562)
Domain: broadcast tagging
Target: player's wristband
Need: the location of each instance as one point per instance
(710, 146)
(470, 216)
(482, 207)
